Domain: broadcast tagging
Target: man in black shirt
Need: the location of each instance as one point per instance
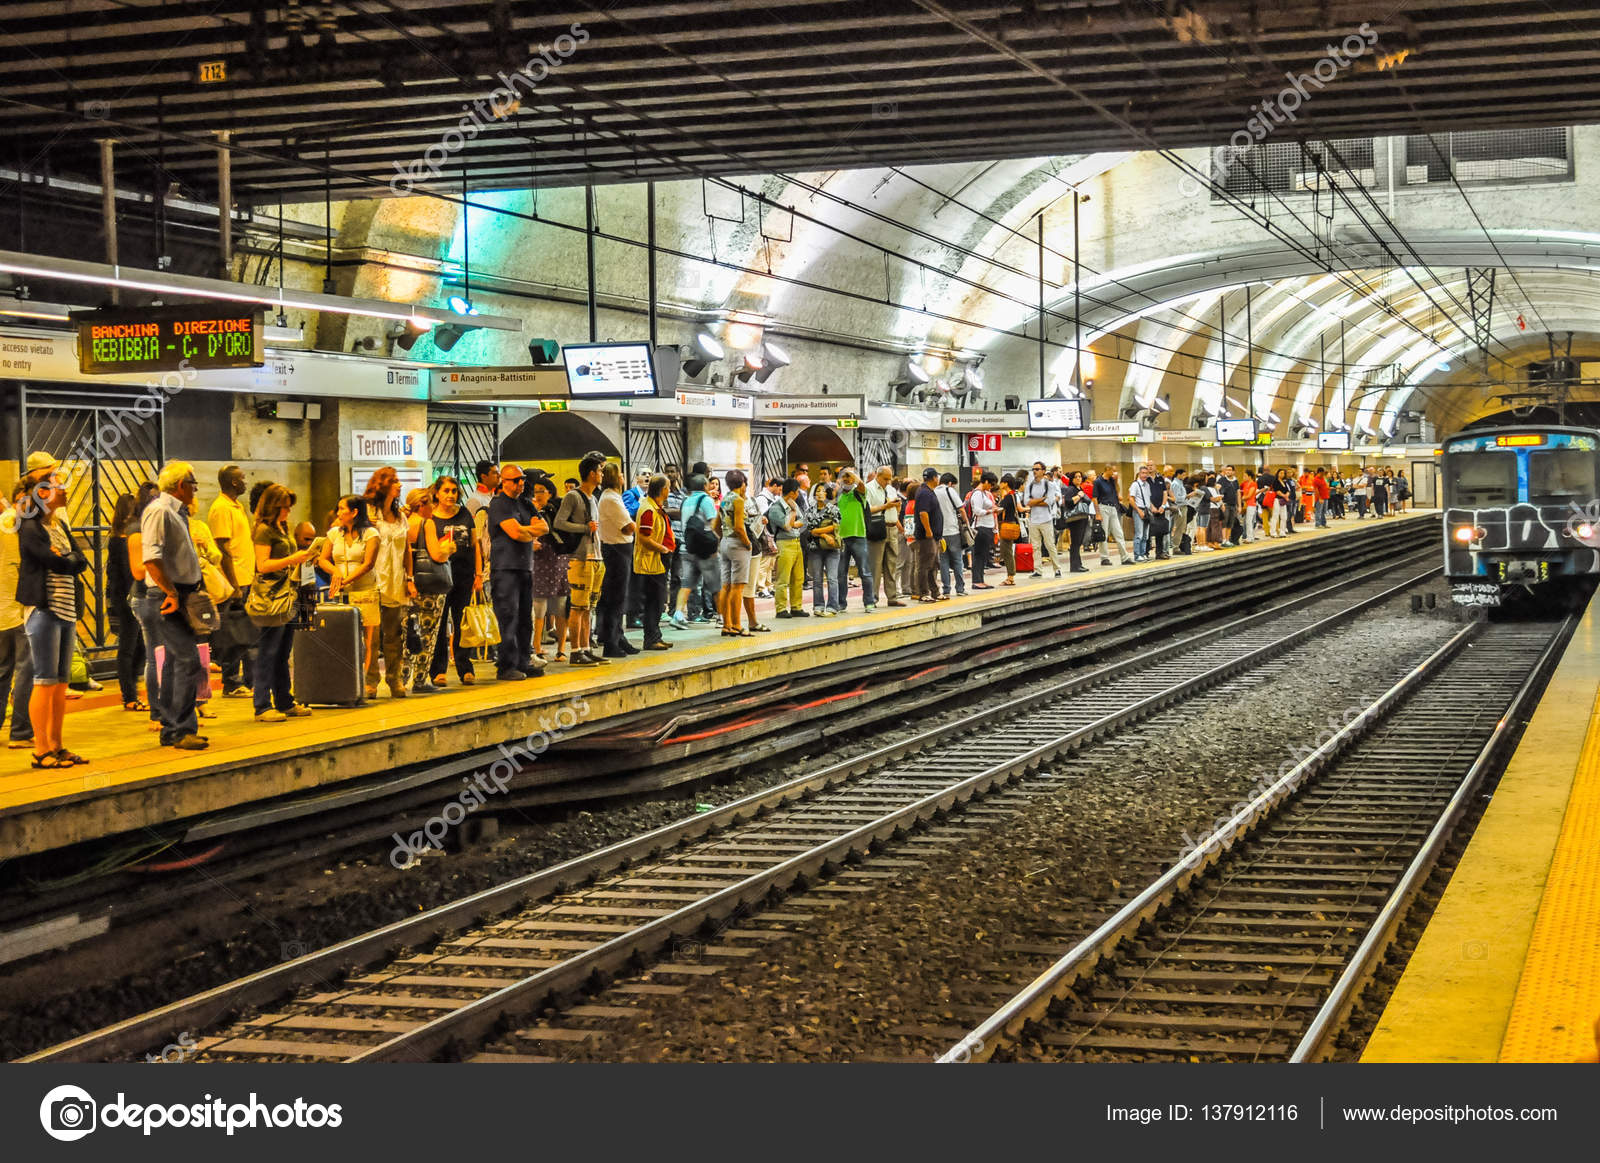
(929, 537)
(513, 526)
(1229, 484)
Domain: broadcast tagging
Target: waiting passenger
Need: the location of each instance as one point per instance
(652, 544)
(173, 565)
(578, 524)
(275, 602)
(16, 664)
(699, 552)
(549, 578)
(822, 535)
(453, 521)
(395, 588)
(431, 573)
(616, 549)
(49, 583)
(513, 528)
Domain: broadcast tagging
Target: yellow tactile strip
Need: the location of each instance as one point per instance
(1556, 1014)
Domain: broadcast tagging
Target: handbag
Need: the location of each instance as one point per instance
(877, 527)
(272, 603)
(428, 575)
(201, 613)
(479, 626)
(826, 540)
(1010, 531)
(413, 635)
(215, 584)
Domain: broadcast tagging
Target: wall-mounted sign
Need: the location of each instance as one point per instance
(1334, 441)
(1059, 415)
(386, 447)
(981, 421)
(410, 476)
(1017, 433)
(211, 72)
(496, 383)
(1108, 429)
(1187, 436)
(847, 422)
(552, 405)
(808, 407)
(609, 370)
(985, 443)
(160, 339)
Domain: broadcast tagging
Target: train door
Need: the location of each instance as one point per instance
(1424, 476)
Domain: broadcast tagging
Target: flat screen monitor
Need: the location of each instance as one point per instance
(1057, 415)
(609, 370)
(1334, 441)
(1236, 432)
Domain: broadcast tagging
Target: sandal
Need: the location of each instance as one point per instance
(136, 705)
(68, 759)
(39, 760)
(743, 634)
(762, 629)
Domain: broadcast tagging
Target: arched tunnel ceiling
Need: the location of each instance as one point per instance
(636, 91)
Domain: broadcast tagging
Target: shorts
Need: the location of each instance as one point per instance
(50, 641)
(584, 579)
(365, 601)
(735, 559)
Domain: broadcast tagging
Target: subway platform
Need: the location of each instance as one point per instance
(133, 784)
(1508, 968)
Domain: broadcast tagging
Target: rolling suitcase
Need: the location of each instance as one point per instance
(327, 658)
(1024, 556)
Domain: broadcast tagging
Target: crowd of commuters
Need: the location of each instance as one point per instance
(567, 568)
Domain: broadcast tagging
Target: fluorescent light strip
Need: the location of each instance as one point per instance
(75, 271)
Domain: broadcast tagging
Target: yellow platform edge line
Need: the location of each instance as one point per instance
(1556, 1014)
(1454, 1001)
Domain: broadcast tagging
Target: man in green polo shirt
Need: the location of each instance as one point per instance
(853, 541)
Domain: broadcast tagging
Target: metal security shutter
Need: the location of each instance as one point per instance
(769, 449)
(458, 439)
(653, 444)
(108, 445)
(877, 448)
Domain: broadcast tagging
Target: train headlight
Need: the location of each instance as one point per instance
(1464, 534)
(1584, 531)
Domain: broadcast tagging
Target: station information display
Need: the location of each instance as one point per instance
(1058, 415)
(1334, 441)
(160, 339)
(609, 371)
(1236, 431)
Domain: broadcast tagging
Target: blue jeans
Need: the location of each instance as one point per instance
(824, 564)
(854, 549)
(180, 673)
(701, 576)
(950, 563)
(148, 610)
(271, 674)
(50, 642)
(1141, 535)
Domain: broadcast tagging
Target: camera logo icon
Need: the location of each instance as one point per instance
(67, 1113)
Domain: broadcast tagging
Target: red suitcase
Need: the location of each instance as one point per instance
(1024, 551)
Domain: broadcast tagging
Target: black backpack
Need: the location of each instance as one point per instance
(567, 543)
(698, 538)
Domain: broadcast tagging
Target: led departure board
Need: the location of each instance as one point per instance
(159, 339)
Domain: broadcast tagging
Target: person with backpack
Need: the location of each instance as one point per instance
(852, 502)
(1108, 501)
(984, 509)
(577, 533)
(1040, 498)
(735, 521)
(784, 521)
(698, 554)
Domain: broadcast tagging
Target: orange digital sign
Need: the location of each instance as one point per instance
(1519, 441)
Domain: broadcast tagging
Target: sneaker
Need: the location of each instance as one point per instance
(267, 717)
(678, 622)
(582, 658)
(540, 660)
(190, 743)
(896, 602)
(783, 614)
(298, 711)
(1036, 573)
(826, 613)
(510, 676)
(658, 646)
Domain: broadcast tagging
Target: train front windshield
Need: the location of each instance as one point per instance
(1559, 476)
(1481, 480)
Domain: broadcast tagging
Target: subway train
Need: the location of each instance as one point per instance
(1521, 513)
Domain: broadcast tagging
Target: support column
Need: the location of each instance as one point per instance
(108, 205)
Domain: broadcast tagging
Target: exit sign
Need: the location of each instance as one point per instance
(1017, 433)
(552, 405)
(847, 422)
(213, 72)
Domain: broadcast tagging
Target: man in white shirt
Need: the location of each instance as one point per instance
(888, 552)
(950, 556)
(1040, 497)
(1139, 498)
(1178, 509)
(763, 563)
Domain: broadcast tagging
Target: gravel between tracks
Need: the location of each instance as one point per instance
(906, 955)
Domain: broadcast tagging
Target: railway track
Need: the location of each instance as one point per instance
(698, 740)
(505, 955)
(1257, 946)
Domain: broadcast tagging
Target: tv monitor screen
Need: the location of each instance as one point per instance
(1236, 431)
(609, 370)
(1058, 415)
(1334, 441)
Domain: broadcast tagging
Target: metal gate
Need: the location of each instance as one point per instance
(875, 449)
(458, 439)
(653, 445)
(769, 452)
(108, 445)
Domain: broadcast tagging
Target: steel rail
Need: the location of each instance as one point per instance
(478, 1019)
(1335, 1010)
(1034, 1000)
(208, 1007)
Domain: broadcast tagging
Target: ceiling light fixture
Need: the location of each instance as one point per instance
(170, 283)
(705, 350)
